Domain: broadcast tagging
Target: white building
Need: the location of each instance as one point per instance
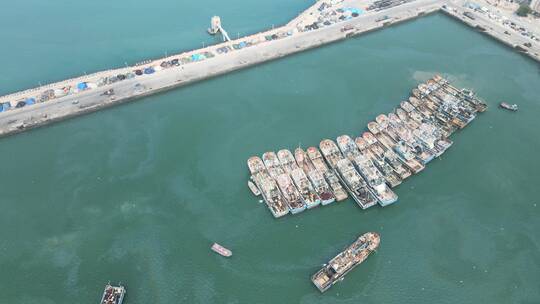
(535, 5)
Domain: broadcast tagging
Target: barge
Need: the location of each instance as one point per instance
(345, 261)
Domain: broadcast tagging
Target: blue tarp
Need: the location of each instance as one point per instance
(353, 10)
(242, 44)
(30, 101)
(197, 57)
(149, 70)
(82, 86)
(5, 106)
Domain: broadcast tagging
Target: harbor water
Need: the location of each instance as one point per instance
(138, 193)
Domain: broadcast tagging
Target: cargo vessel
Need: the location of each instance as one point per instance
(352, 256)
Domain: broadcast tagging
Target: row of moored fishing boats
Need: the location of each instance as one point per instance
(396, 146)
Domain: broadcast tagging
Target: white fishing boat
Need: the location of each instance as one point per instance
(254, 188)
(221, 250)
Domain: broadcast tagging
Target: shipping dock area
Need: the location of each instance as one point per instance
(394, 147)
(322, 23)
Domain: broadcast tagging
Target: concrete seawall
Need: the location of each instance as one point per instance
(492, 29)
(19, 120)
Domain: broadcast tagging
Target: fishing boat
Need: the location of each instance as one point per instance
(347, 147)
(350, 178)
(221, 250)
(272, 164)
(254, 188)
(393, 160)
(507, 106)
(424, 89)
(321, 187)
(316, 178)
(272, 196)
(355, 184)
(308, 194)
(470, 96)
(416, 93)
(406, 106)
(373, 127)
(375, 180)
(302, 160)
(408, 157)
(331, 153)
(361, 143)
(291, 194)
(382, 121)
(255, 165)
(392, 133)
(345, 261)
(385, 141)
(414, 101)
(402, 115)
(414, 115)
(422, 153)
(365, 165)
(336, 184)
(113, 294)
(317, 160)
(370, 138)
(287, 161)
(377, 157)
(329, 175)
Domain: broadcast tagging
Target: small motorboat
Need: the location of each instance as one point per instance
(507, 106)
(254, 188)
(221, 250)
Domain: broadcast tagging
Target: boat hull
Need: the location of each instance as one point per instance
(298, 209)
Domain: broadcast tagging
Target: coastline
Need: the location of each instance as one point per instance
(37, 115)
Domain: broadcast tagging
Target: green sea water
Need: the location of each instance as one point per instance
(139, 192)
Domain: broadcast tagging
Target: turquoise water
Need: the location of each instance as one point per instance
(139, 192)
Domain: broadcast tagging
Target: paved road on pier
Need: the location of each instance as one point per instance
(92, 100)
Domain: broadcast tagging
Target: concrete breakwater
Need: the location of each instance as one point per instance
(290, 41)
(478, 21)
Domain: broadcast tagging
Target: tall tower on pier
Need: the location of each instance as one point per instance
(215, 25)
